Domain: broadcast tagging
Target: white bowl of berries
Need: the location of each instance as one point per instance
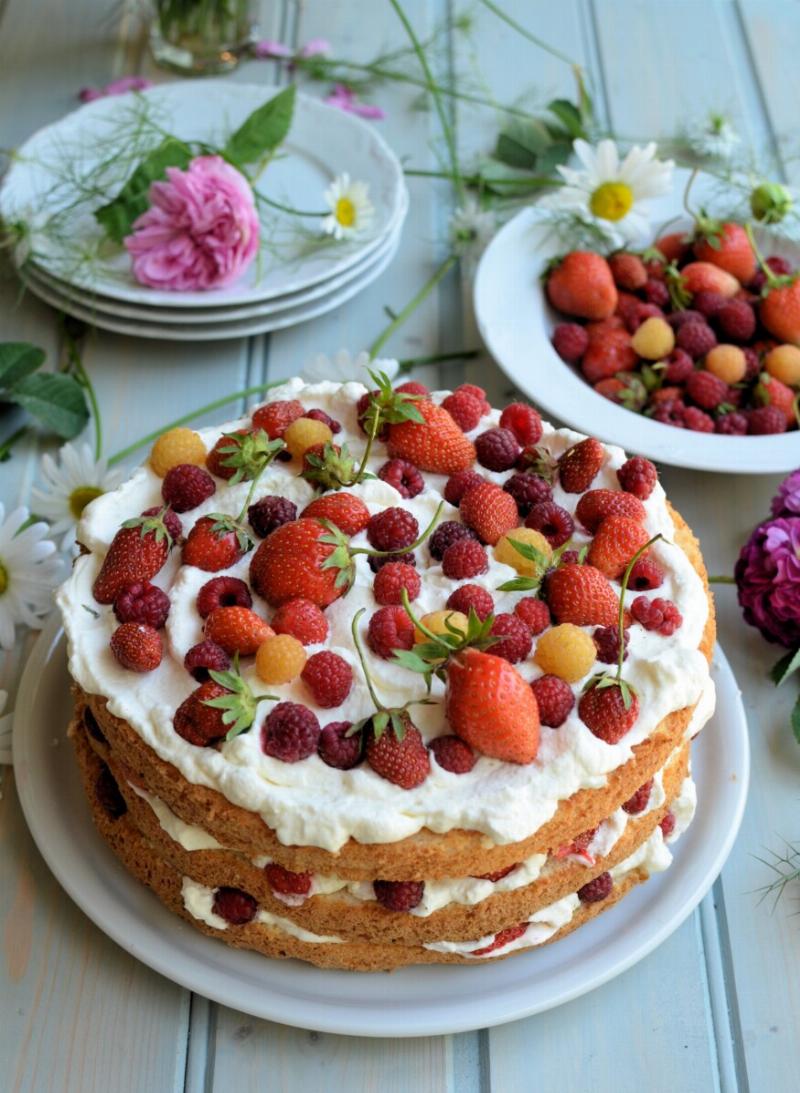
(693, 359)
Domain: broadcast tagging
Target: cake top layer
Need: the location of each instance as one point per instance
(308, 802)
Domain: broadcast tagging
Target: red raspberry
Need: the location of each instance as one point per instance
(412, 387)
(378, 561)
(329, 678)
(109, 795)
(696, 339)
(706, 389)
(465, 410)
(646, 575)
(235, 906)
(554, 698)
(320, 415)
(222, 592)
(753, 364)
(534, 613)
(656, 292)
(464, 559)
(392, 529)
(337, 749)
(766, 420)
(606, 638)
(404, 476)
(497, 449)
(678, 318)
(445, 535)
(453, 754)
(667, 824)
(597, 889)
(679, 367)
(697, 420)
(670, 413)
(302, 619)
(198, 723)
(523, 421)
(528, 490)
(290, 732)
(390, 629)
(638, 313)
(708, 303)
(269, 513)
(781, 266)
(638, 476)
(137, 646)
(276, 417)
(398, 895)
(733, 424)
(657, 614)
(570, 341)
(736, 321)
(458, 484)
(142, 602)
(516, 638)
(206, 657)
(391, 579)
(552, 521)
(186, 486)
(476, 392)
(501, 939)
(638, 802)
(471, 596)
(171, 521)
(285, 882)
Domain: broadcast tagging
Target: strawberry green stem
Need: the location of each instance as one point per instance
(376, 423)
(687, 189)
(412, 305)
(723, 579)
(404, 600)
(772, 278)
(404, 550)
(356, 641)
(626, 577)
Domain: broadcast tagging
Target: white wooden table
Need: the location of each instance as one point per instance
(718, 1005)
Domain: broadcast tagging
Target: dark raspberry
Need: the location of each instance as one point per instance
(390, 629)
(534, 613)
(528, 490)
(413, 387)
(597, 889)
(516, 638)
(571, 557)
(766, 420)
(453, 754)
(606, 639)
(697, 420)
(404, 476)
(378, 561)
(656, 292)
(552, 521)
(458, 484)
(171, 521)
(108, 794)
(667, 824)
(706, 389)
(638, 802)
(736, 321)
(187, 486)
(646, 575)
(390, 580)
(445, 535)
(206, 657)
(570, 341)
(142, 602)
(523, 421)
(235, 906)
(336, 749)
(696, 339)
(398, 895)
(708, 303)
(637, 314)
(465, 410)
(290, 732)
(670, 412)
(222, 592)
(464, 559)
(638, 476)
(733, 424)
(657, 614)
(781, 266)
(678, 318)
(269, 513)
(392, 529)
(554, 698)
(471, 596)
(320, 415)
(329, 678)
(752, 363)
(497, 449)
(679, 367)
(285, 882)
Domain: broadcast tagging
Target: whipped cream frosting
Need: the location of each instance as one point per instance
(308, 803)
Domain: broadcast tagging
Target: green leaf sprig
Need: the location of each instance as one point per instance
(240, 705)
(249, 455)
(56, 400)
(785, 667)
(541, 561)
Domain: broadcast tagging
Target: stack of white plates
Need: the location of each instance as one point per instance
(298, 274)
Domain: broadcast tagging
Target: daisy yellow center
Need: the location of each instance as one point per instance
(345, 212)
(80, 498)
(3, 579)
(611, 201)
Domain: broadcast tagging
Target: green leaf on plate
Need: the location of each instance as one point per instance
(117, 217)
(522, 142)
(784, 667)
(17, 360)
(55, 400)
(569, 116)
(263, 130)
(795, 720)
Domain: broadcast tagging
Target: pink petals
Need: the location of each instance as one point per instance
(117, 87)
(345, 98)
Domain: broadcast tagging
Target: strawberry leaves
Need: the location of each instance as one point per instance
(249, 454)
(429, 658)
(225, 525)
(240, 705)
(540, 560)
(152, 524)
(332, 470)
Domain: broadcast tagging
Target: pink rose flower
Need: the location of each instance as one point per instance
(201, 230)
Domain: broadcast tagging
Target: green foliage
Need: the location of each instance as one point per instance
(55, 399)
(117, 217)
(263, 131)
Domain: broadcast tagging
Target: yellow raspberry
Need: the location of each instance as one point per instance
(280, 659)
(565, 651)
(654, 339)
(304, 433)
(435, 621)
(174, 447)
(506, 552)
(783, 362)
(726, 362)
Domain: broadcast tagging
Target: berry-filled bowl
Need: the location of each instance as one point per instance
(677, 359)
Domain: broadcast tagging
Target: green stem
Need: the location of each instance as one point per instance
(75, 362)
(626, 577)
(534, 181)
(7, 445)
(286, 208)
(769, 273)
(420, 625)
(722, 580)
(412, 305)
(258, 389)
(686, 190)
(520, 29)
(376, 423)
(356, 641)
(404, 550)
(408, 363)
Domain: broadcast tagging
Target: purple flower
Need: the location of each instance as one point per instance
(768, 579)
(345, 98)
(787, 500)
(314, 47)
(268, 49)
(117, 87)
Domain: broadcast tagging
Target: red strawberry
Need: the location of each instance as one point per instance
(214, 544)
(276, 417)
(726, 246)
(198, 723)
(780, 312)
(582, 284)
(772, 392)
(608, 355)
(345, 510)
(628, 271)
(501, 939)
(582, 595)
(137, 646)
(438, 445)
(237, 630)
(595, 505)
(137, 552)
(490, 705)
(615, 543)
(289, 564)
(404, 762)
(489, 511)
(674, 246)
(705, 277)
(579, 464)
(603, 710)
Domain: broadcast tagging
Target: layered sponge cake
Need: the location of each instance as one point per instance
(381, 677)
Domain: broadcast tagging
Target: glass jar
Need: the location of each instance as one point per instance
(201, 37)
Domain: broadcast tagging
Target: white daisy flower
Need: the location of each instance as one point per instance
(351, 209)
(29, 573)
(471, 227)
(343, 366)
(713, 138)
(610, 194)
(71, 482)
